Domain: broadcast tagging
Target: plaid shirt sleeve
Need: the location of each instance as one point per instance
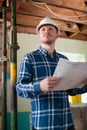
(75, 91)
(25, 88)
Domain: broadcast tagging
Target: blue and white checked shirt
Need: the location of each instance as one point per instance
(50, 111)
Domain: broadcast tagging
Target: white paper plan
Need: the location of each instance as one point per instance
(72, 74)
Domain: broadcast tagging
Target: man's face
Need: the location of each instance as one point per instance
(47, 34)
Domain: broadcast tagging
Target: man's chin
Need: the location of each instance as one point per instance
(48, 42)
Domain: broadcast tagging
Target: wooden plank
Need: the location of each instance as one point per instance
(25, 29)
(78, 36)
(75, 3)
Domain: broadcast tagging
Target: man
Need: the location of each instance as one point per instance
(50, 109)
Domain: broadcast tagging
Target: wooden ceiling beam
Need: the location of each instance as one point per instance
(84, 29)
(62, 5)
(58, 13)
(25, 29)
(63, 34)
(78, 36)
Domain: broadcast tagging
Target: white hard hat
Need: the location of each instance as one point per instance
(46, 21)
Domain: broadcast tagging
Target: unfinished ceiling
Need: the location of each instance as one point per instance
(70, 15)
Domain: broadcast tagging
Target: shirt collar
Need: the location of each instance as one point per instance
(45, 52)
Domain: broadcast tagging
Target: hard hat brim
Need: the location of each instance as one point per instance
(39, 27)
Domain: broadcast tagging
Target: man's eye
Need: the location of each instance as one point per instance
(50, 28)
(43, 29)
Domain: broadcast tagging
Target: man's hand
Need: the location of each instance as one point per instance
(49, 83)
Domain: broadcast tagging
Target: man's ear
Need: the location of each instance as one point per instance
(57, 35)
(38, 34)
